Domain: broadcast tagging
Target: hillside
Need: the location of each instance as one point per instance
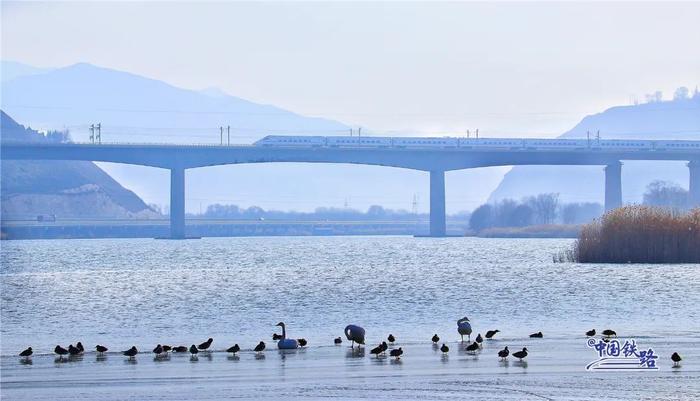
(678, 119)
(63, 188)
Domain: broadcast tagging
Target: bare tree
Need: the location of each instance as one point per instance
(666, 194)
(544, 206)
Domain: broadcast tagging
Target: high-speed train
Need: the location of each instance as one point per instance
(475, 143)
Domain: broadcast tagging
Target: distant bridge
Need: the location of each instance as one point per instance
(433, 157)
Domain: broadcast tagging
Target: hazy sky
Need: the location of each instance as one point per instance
(508, 68)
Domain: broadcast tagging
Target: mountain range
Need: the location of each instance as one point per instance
(132, 108)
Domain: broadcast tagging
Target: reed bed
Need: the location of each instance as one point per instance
(638, 234)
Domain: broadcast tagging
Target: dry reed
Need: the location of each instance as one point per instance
(638, 234)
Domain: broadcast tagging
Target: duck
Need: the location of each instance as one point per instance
(167, 348)
(377, 350)
(464, 328)
(536, 335)
(675, 358)
(503, 354)
(194, 350)
(73, 351)
(101, 349)
(391, 338)
(444, 349)
(302, 342)
(260, 347)
(79, 346)
(180, 348)
(435, 339)
(521, 354)
(284, 342)
(396, 353)
(60, 351)
(590, 333)
(479, 340)
(205, 345)
(233, 349)
(131, 352)
(355, 334)
(473, 347)
(26, 353)
(491, 333)
(158, 350)
(609, 333)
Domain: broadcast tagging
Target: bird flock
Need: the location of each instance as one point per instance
(353, 333)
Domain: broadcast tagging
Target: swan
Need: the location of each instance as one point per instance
(464, 328)
(356, 334)
(284, 342)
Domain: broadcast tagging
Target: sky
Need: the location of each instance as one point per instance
(512, 69)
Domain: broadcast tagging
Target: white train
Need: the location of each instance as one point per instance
(476, 143)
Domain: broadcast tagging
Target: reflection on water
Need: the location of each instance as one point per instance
(120, 292)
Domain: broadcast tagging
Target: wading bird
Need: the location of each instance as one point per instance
(464, 328)
(167, 348)
(26, 353)
(260, 347)
(234, 349)
(445, 349)
(391, 338)
(503, 354)
(158, 350)
(536, 335)
(479, 339)
(377, 350)
(435, 339)
(60, 351)
(194, 350)
(79, 346)
(609, 333)
(473, 347)
(73, 351)
(180, 348)
(590, 333)
(396, 353)
(491, 333)
(302, 342)
(337, 341)
(131, 352)
(205, 345)
(520, 354)
(101, 349)
(675, 358)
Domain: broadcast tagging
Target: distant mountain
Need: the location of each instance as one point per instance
(11, 69)
(64, 188)
(139, 109)
(678, 119)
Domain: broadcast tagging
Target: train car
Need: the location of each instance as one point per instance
(492, 143)
(623, 144)
(671, 145)
(354, 141)
(300, 141)
(425, 142)
(555, 143)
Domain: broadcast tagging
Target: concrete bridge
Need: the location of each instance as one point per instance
(433, 160)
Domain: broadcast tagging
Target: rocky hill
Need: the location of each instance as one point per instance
(66, 189)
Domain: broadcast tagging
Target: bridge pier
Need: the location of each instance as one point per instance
(694, 185)
(177, 203)
(438, 226)
(613, 186)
